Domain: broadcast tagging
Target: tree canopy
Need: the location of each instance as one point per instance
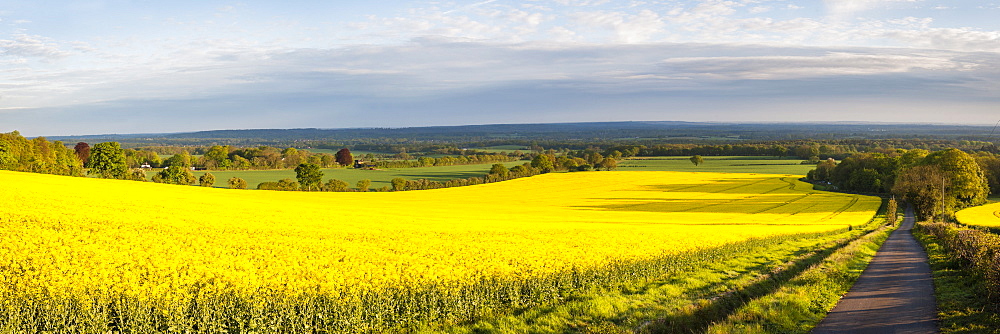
(82, 152)
(936, 183)
(364, 184)
(206, 180)
(237, 183)
(309, 176)
(175, 175)
(108, 161)
(37, 156)
(543, 163)
(398, 184)
(500, 170)
(344, 157)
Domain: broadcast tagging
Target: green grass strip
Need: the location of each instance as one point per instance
(959, 291)
(688, 301)
(801, 303)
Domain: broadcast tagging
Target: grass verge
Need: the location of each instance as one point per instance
(959, 292)
(801, 303)
(705, 297)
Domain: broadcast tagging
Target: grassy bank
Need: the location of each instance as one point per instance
(801, 303)
(959, 290)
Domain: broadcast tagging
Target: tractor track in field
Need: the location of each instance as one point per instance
(895, 294)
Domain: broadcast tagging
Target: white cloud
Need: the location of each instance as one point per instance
(716, 8)
(437, 81)
(839, 10)
(22, 45)
(638, 28)
(469, 6)
(582, 3)
(798, 67)
(913, 22)
(563, 34)
(964, 39)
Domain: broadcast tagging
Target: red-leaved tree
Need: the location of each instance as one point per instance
(344, 157)
(83, 152)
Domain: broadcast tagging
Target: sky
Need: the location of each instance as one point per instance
(119, 66)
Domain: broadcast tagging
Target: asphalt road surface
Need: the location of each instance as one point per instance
(895, 294)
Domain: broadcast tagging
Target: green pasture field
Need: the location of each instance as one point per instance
(379, 178)
(722, 164)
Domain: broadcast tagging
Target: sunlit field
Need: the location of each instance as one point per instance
(718, 164)
(984, 215)
(99, 255)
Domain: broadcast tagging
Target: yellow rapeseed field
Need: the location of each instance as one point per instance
(984, 215)
(91, 243)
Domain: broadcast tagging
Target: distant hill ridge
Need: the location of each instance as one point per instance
(591, 131)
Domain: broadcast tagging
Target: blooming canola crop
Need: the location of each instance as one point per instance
(983, 215)
(93, 238)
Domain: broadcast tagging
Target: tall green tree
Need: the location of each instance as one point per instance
(990, 164)
(807, 151)
(823, 170)
(697, 160)
(182, 160)
(8, 158)
(291, 156)
(969, 186)
(500, 170)
(860, 172)
(779, 151)
(309, 176)
(609, 164)
(542, 163)
(892, 210)
(924, 187)
(398, 184)
(943, 182)
(218, 157)
(108, 161)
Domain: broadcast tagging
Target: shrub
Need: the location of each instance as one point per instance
(977, 249)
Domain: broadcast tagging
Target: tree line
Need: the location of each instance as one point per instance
(225, 157)
(309, 177)
(409, 153)
(37, 155)
(936, 183)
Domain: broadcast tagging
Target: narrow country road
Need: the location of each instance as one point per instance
(895, 294)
